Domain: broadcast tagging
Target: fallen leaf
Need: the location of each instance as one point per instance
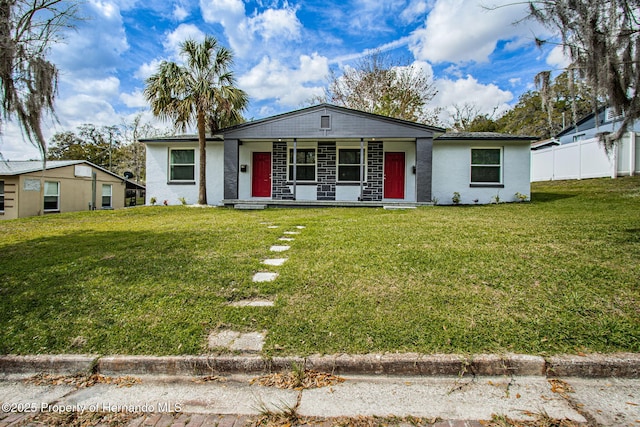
(631, 403)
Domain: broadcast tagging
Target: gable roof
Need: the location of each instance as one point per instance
(326, 109)
(19, 167)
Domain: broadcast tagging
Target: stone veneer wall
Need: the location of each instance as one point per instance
(279, 188)
(375, 172)
(326, 171)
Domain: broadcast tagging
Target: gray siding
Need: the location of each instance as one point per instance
(424, 164)
(305, 124)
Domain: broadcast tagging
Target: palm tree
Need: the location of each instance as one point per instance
(201, 90)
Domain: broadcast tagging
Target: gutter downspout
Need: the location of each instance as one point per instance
(361, 169)
(295, 166)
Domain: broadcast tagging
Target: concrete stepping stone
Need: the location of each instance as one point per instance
(291, 232)
(273, 226)
(300, 227)
(222, 338)
(274, 261)
(287, 239)
(250, 342)
(263, 276)
(252, 303)
(279, 248)
(233, 340)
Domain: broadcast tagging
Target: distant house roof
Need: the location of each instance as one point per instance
(544, 143)
(27, 166)
(179, 138)
(484, 136)
(19, 167)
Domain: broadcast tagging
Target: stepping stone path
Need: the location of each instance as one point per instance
(253, 342)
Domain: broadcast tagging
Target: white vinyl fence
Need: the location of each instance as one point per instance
(586, 159)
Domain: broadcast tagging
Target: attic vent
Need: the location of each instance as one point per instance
(325, 122)
(610, 115)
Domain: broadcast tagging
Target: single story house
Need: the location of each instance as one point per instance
(327, 155)
(65, 186)
(577, 153)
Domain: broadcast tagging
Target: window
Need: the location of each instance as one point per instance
(51, 196)
(106, 195)
(305, 164)
(182, 165)
(486, 165)
(349, 165)
(1, 196)
(325, 122)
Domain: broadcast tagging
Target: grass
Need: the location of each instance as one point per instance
(558, 275)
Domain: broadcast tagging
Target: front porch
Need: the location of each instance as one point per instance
(263, 204)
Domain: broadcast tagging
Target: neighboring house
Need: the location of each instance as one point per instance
(65, 186)
(577, 153)
(333, 156)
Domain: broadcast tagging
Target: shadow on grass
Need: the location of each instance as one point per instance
(549, 197)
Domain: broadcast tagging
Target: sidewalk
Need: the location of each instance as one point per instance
(229, 398)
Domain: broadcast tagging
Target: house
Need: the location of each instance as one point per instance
(333, 156)
(577, 153)
(65, 186)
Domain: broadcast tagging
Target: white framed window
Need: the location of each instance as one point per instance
(182, 165)
(348, 162)
(306, 162)
(486, 166)
(1, 196)
(51, 196)
(107, 193)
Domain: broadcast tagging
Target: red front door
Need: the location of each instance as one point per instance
(261, 175)
(393, 175)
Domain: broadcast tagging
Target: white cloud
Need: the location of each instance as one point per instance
(558, 59)
(136, 99)
(290, 87)
(414, 10)
(469, 90)
(146, 70)
(179, 35)
(180, 13)
(462, 30)
(272, 25)
(80, 109)
(515, 81)
(97, 46)
(100, 88)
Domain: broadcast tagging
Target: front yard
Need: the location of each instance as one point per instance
(558, 275)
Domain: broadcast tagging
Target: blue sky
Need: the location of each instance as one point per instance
(284, 51)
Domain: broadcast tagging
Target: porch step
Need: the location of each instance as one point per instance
(246, 206)
(395, 207)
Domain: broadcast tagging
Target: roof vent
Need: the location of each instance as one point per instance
(325, 122)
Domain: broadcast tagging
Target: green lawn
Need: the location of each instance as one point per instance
(558, 275)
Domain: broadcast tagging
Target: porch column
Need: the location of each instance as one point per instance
(295, 166)
(361, 169)
(424, 169)
(231, 153)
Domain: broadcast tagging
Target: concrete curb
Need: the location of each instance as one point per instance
(58, 363)
(623, 365)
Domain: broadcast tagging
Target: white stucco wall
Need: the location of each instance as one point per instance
(157, 175)
(452, 172)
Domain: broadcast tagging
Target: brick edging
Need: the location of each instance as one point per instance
(624, 365)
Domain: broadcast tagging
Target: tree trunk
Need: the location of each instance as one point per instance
(202, 143)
